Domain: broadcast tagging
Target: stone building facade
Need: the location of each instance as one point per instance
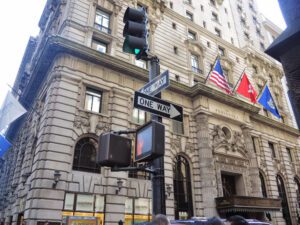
(227, 157)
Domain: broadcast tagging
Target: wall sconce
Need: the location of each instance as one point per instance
(119, 185)
(56, 178)
(168, 190)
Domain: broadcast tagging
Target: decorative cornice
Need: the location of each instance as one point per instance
(275, 124)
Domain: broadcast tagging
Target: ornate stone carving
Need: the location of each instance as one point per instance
(189, 147)
(80, 121)
(219, 137)
(195, 46)
(102, 127)
(238, 143)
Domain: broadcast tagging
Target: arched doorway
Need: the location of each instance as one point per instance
(183, 202)
(284, 201)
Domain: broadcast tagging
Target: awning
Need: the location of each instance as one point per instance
(247, 204)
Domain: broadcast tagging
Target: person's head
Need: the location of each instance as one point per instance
(161, 219)
(214, 221)
(237, 220)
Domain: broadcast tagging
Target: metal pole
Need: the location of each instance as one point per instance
(158, 182)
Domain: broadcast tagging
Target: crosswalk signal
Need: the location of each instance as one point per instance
(135, 32)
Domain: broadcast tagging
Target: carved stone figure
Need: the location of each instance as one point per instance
(238, 142)
(218, 136)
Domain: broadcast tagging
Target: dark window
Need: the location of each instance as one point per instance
(289, 152)
(204, 24)
(239, 7)
(263, 185)
(189, 2)
(93, 100)
(139, 116)
(213, 2)
(208, 44)
(225, 10)
(254, 144)
(272, 148)
(218, 32)
(85, 155)
(262, 46)
(191, 35)
(99, 46)
(189, 16)
(174, 26)
(202, 8)
(228, 184)
(171, 5)
(175, 50)
(215, 17)
(297, 182)
(284, 201)
(254, 69)
(232, 41)
(102, 21)
(247, 36)
(229, 26)
(221, 51)
(183, 201)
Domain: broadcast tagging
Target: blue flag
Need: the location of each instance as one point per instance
(4, 145)
(268, 102)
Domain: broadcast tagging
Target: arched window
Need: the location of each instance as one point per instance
(182, 188)
(284, 201)
(297, 182)
(263, 185)
(85, 155)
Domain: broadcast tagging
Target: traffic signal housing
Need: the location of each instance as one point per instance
(135, 32)
(114, 150)
(150, 141)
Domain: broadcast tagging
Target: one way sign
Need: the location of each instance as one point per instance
(157, 106)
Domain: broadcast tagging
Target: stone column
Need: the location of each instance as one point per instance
(207, 169)
(255, 189)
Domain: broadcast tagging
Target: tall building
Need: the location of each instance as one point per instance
(229, 156)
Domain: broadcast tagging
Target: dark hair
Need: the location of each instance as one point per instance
(214, 221)
(237, 220)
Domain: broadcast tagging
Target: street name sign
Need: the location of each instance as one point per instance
(156, 85)
(158, 106)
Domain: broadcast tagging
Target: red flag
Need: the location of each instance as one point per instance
(246, 89)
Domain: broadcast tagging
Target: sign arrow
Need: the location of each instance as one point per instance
(156, 85)
(158, 106)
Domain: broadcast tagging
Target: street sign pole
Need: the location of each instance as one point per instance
(158, 182)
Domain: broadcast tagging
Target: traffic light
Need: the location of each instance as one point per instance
(135, 32)
(150, 141)
(114, 150)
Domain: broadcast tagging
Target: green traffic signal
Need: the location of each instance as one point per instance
(137, 51)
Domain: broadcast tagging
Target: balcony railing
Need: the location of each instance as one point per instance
(197, 70)
(102, 28)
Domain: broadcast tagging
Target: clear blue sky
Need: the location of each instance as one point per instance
(19, 21)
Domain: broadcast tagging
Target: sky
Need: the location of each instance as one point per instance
(19, 20)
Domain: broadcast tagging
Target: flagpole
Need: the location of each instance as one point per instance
(211, 69)
(265, 84)
(238, 80)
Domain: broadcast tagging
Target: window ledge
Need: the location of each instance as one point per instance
(95, 113)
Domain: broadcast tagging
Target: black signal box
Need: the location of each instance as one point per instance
(114, 150)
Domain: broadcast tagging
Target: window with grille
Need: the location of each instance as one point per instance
(93, 99)
(99, 46)
(195, 64)
(85, 155)
(272, 148)
(102, 21)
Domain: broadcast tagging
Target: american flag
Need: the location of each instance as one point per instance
(217, 76)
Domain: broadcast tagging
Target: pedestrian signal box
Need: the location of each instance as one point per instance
(114, 150)
(150, 141)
